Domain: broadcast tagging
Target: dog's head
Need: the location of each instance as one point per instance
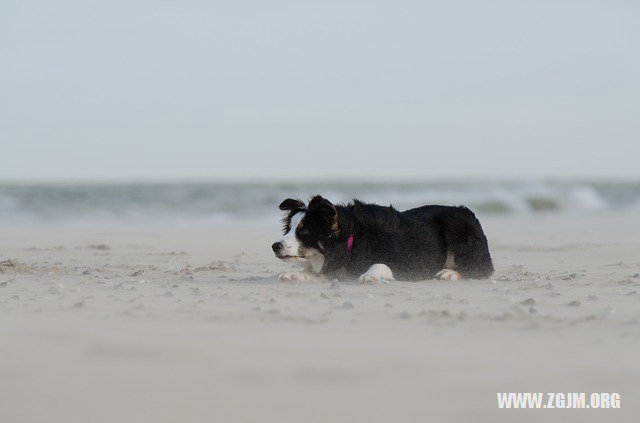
(308, 229)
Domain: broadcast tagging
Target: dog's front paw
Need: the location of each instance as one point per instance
(295, 277)
(376, 274)
(365, 278)
(448, 275)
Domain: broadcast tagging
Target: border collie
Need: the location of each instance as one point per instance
(377, 243)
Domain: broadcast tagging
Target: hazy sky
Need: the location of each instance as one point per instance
(293, 89)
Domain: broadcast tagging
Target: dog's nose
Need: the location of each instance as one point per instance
(276, 246)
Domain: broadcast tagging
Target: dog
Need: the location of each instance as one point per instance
(379, 244)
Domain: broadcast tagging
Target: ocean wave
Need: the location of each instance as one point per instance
(235, 201)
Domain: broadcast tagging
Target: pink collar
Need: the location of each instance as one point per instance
(349, 246)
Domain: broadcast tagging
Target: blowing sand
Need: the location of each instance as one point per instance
(177, 323)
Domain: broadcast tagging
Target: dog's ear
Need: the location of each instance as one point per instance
(292, 207)
(291, 204)
(327, 211)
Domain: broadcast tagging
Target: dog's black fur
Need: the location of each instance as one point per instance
(413, 243)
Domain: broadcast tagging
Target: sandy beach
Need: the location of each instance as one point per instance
(187, 322)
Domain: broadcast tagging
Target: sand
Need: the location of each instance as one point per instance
(167, 322)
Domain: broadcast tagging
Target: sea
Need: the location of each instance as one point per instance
(258, 201)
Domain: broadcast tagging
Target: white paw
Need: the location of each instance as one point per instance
(448, 275)
(377, 273)
(295, 276)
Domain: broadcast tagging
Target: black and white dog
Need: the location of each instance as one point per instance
(379, 243)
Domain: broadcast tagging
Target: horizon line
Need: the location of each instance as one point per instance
(318, 180)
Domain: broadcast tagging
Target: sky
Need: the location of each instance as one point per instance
(295, 90)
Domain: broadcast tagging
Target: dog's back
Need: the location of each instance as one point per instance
(462, 236)
(419, 242)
